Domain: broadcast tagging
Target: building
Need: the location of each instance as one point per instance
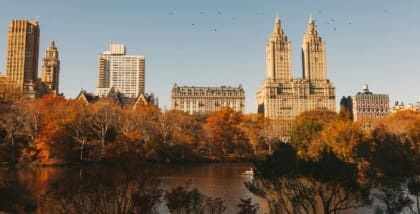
(368, 107)
(2, 86)
(22, 55)
(399, 106)
(282, 97)
(115, 96)
(51, 69)
(120, 71)
(193, 100)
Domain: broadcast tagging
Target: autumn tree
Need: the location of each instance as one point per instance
(16, 123)
(340, 137)
(270, 132)
(223, 131)
(181, 131)
(148, 127)
(101, 119)
(294, 185)
(253, 126)
(78, 125)
(307, 126)
(52, 115)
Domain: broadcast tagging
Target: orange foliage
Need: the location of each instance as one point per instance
(51, 113)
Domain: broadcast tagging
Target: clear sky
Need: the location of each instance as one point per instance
(222, 42)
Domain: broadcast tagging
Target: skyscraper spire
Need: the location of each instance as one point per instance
(51, 68)
(278, 54)
(313, 54)
(277, 26)
(311, 30)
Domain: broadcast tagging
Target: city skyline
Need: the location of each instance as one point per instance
(203, 43)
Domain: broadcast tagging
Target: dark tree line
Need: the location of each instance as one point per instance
(332, 165)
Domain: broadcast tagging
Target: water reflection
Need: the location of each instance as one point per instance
(29, 190)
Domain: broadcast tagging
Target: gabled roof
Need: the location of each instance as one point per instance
(144, 99)
(87, 97)
(116, 96)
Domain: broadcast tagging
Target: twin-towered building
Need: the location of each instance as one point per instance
(282, 97)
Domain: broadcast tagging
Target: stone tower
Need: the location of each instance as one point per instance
(281, 97)
(51, 68)
(278, 52)
(313, 54)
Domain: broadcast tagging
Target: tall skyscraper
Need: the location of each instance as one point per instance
(122, 72)
(193, 100)
(22, 55)
(282, 97)
(51, 68)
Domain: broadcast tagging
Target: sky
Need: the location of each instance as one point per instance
(222, 42)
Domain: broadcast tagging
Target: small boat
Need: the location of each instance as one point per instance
(248, 172)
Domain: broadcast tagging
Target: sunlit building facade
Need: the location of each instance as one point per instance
(22, 55)
(126, 73)
(199, 100)
(369, 107)
(282, 97)
(51, 69)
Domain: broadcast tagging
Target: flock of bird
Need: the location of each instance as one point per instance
(332, 23)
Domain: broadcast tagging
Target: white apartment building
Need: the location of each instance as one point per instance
(123, 72)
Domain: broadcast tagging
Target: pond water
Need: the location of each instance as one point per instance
(214, 180)
(26, 189)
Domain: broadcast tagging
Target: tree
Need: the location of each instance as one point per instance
(306, 127)
(181, 133)
(253, 126)
(223, 130)
(50, 143)
(247, 207)
(341, 137)
(102, 117)
(290, 185)
(78, 125)
(17, 124)
(413, 186)
(147, 124)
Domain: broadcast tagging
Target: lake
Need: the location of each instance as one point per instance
(214, 180)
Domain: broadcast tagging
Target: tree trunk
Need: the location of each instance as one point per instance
(103, 144)
(81, 150)
(183, 152)
(13, 152)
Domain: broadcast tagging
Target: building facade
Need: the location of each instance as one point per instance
(199, 100)
(400, 106)
(22, 55)
(124, 72)
(368, 107)
(282, 97)
(51, 69)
